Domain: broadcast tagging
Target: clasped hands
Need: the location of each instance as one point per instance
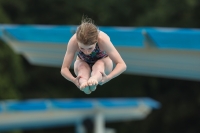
(91, 83)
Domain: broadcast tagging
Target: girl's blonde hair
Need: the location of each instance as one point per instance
(87, 32)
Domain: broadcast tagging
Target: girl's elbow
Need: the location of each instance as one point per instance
(62, 71)
(125, 67)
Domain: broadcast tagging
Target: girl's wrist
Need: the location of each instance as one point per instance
(73, 80)
(109, 77)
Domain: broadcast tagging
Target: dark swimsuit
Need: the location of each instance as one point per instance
(93, 57)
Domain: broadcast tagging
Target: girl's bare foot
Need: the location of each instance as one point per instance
(92, 84)
(84, 87)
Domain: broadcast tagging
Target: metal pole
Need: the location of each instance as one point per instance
(99, 125)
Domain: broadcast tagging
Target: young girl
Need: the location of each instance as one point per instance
(95, 57)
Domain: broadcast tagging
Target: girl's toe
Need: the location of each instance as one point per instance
(93, 87)
(86, 90)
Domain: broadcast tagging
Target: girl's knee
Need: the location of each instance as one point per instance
(83, 67)
(98, 65)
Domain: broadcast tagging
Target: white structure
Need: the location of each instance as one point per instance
(43, 113)
(161, 52)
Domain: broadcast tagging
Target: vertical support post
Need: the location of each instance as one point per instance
(99, 125)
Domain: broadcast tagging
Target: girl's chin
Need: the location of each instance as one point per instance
(87, 54)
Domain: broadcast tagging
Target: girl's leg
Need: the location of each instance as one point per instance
(102, 65)
(82, 70)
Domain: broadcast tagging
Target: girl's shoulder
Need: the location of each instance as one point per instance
(73, 38)
(102, 34)
(73, 44)
(103, 37)
(104, 41)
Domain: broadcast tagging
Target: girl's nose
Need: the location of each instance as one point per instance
(87, 52)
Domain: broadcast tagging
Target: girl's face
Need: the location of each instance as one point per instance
(86, 49)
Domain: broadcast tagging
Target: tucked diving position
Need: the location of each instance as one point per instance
(95, 57)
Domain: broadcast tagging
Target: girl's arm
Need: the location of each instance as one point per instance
(69, 56)
(106, 45)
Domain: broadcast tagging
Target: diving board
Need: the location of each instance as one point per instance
(149, 51)
(44, 113)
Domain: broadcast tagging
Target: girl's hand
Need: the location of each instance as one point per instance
(76, 81)
(105, 78)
